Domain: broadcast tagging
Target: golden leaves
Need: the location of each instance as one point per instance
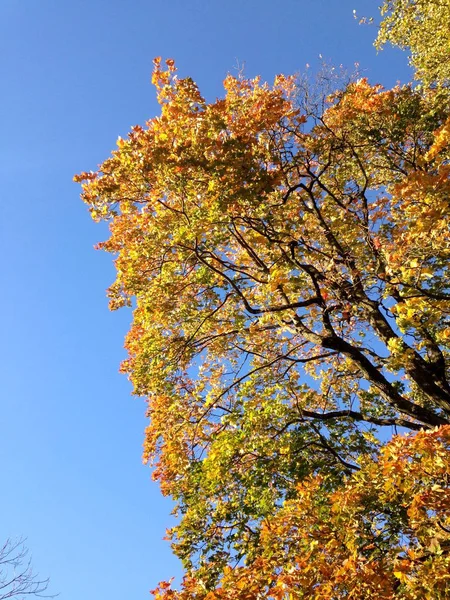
(420, 26)
(441, 141)
(350, 543)
(291, 293)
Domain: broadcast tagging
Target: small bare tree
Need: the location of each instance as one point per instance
(17, 578)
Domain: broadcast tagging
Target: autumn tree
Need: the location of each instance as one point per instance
(288, 263)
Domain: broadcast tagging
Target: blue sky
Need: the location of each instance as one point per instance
(74, 76)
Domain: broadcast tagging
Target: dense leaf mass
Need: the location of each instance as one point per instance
(383, 535)
(422, 27)
(289, 262)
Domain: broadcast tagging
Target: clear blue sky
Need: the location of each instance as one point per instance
(74, 76)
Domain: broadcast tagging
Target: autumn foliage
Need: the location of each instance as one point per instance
(288, 263)
(422, 28)
(384, 534)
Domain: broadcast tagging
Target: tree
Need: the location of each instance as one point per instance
(17, 578)
(289, 262)
(422, 27)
